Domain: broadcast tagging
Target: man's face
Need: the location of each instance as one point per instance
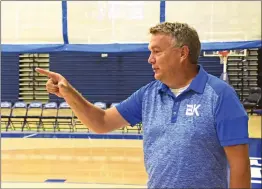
(164, 58)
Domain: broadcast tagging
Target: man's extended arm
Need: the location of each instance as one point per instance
(98, 120)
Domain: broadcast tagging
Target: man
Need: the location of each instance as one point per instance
(193, 123)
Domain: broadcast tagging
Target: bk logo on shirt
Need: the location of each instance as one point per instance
(192, 109)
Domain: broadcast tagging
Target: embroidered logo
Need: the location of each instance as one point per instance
(192, 109)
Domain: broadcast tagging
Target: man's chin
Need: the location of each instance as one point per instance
(157, 77)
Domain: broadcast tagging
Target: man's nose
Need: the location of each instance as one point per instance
(151, 59)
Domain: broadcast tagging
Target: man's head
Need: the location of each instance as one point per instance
(172, 46)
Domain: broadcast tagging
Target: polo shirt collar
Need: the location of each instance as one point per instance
(198, 83)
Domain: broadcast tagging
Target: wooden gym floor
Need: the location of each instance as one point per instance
(78, 163)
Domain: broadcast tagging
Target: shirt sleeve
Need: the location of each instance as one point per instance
(131, 108)
(231, 119)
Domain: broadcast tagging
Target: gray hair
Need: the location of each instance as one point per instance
(183, 34)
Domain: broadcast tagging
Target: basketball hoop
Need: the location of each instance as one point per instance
(223, 56)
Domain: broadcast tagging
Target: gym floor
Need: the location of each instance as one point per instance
(35, 162)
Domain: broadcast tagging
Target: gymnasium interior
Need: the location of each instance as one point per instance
(101, 47)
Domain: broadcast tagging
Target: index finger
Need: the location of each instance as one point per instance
(46, 73)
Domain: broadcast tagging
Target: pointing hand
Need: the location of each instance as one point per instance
(56, 84)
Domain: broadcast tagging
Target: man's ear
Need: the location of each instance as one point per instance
(184, 52)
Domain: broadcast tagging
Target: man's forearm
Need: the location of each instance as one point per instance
(87, 113)
(240, 179)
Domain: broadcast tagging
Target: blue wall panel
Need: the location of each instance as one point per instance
(110, 79)
(211, 65)
(9, 76)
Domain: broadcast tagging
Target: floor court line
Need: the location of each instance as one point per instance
(28, 136)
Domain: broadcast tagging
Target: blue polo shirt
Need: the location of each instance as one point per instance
(184, 136)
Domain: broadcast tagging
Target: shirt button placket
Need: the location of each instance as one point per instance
(175, 109)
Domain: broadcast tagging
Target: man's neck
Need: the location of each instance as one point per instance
(184, 77)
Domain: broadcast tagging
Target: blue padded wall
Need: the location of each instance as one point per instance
(109, 79)
(135, 71)
(211, 65)
(9, 77)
